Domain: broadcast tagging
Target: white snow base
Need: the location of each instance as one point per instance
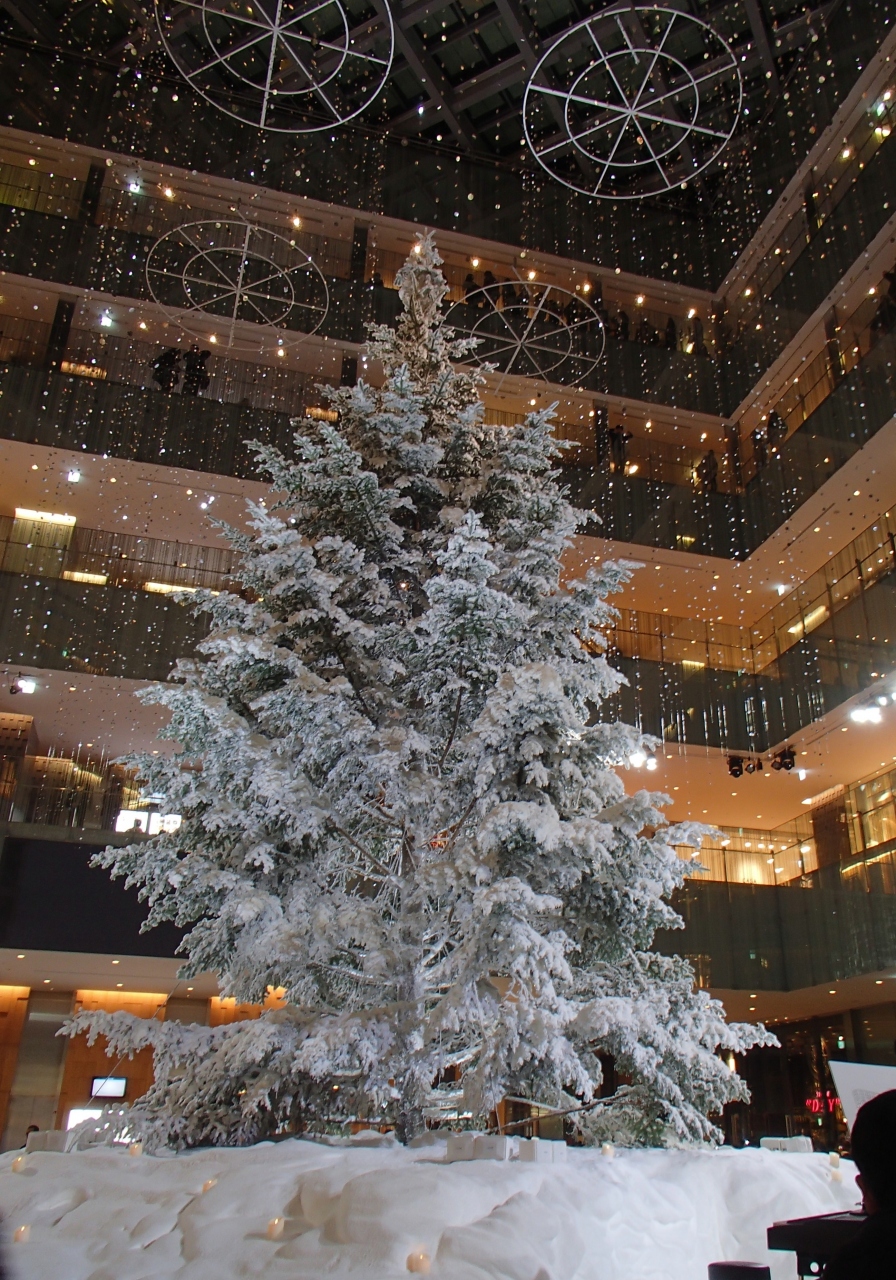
(372, 1212)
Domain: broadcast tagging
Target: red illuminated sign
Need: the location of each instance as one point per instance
(822, 1102)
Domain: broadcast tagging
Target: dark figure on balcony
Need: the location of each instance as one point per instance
(671, 334)
(776, 431)
(619, 439)
(708, 472)
(196, 377)
(760, 447)
(166, 369)
(871, 1254)
(622, 325)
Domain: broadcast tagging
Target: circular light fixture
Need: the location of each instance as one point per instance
(290, 66)
(223, 281)
(542, 331)
(634, 101)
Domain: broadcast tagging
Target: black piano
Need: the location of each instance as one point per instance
(815, 1240)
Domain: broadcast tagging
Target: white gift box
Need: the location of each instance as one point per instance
(480, 1146)
(460, 1146)
(799, 1143)
(542, 1151)
(492, 1146)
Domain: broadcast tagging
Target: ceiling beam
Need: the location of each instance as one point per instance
(512, 71)
(31, 19)
(763, 44)
(430, 76)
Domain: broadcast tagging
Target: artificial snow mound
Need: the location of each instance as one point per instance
(369, 1212)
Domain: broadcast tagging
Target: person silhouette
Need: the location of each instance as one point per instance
(166, 369)
(870, 1255)
(196, 377)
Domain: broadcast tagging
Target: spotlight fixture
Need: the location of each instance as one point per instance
(754, 766)
(784, 759)
(24, 684)
(651, 763)
(736, 766)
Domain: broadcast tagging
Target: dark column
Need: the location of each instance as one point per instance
(358, 267)
(349, 375)
(62, 323)
(90, 199)
(829, 826)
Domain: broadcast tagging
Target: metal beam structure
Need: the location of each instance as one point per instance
(468, 106)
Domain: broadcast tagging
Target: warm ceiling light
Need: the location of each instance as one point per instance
(474, 262)
(531, 275)
(168, 193)
(418, 248)
(142, 324)
(297, 222)
(213, 338)
(639, 301)
(691, 313)
(846, 153)
(586, 287)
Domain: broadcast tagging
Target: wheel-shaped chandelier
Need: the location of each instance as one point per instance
(531, 330)
(237, 284)
(292, 66)
(633, 102)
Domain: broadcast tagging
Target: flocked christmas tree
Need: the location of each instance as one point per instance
(399, 803)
